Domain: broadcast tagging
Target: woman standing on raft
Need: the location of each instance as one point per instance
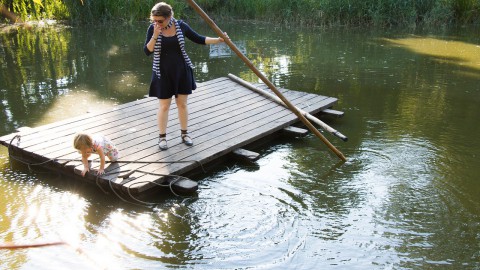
(172, 69)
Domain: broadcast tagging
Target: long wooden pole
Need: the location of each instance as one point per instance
(263, 78)
(279, 101)
(34, 245)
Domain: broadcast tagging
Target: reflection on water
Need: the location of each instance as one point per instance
(407, 198)
(445, 51)
(74, 104)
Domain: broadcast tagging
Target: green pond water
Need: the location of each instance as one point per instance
(408, 196)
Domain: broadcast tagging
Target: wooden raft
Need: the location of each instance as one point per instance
(223, 117)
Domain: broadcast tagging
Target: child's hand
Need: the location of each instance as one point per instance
(100, 171)
(85, 170)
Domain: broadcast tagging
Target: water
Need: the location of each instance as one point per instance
(407, 198)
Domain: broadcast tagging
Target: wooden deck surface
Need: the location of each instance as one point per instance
(223, 116)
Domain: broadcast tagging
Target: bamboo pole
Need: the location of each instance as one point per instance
(263, 78)
(279, 101)
(33, 245)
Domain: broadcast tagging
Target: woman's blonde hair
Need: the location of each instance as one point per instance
(162, 9)
(82, 140)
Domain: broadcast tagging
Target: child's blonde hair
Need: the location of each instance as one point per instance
(82, 140)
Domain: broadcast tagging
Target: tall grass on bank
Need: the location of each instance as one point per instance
(34, 9)
(306, 12)
(347, 12)
(84, 11)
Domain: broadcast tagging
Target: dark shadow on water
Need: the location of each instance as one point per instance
(103, 197)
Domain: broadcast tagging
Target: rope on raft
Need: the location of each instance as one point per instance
(130, 172)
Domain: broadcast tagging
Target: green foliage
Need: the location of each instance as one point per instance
(307, 12)
(37, 9)
(113, 11)
(349, 12)
(466, 11)
(441, 13)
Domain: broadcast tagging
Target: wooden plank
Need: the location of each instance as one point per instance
(92, 117)
(137, 147)
(295, 131)
(151, 146)
(224, 116)
(24, 129)
(229, 138)
(207, 117)
(244, 154)
(178, 143)
(332, 112)
(116, 131)
(60, 144)
(94, 120)
(145, 122)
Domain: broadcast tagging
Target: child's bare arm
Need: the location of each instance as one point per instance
(101, 170)
(85, 164)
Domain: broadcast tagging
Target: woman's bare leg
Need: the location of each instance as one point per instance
(181, 101)
(162, 115)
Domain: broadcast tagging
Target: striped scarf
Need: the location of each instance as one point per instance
(158, 48)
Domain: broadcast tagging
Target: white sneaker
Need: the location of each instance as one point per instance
(162, 143)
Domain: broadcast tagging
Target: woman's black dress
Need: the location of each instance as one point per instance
(176, 77)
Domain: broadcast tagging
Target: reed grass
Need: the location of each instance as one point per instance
(307, 12)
